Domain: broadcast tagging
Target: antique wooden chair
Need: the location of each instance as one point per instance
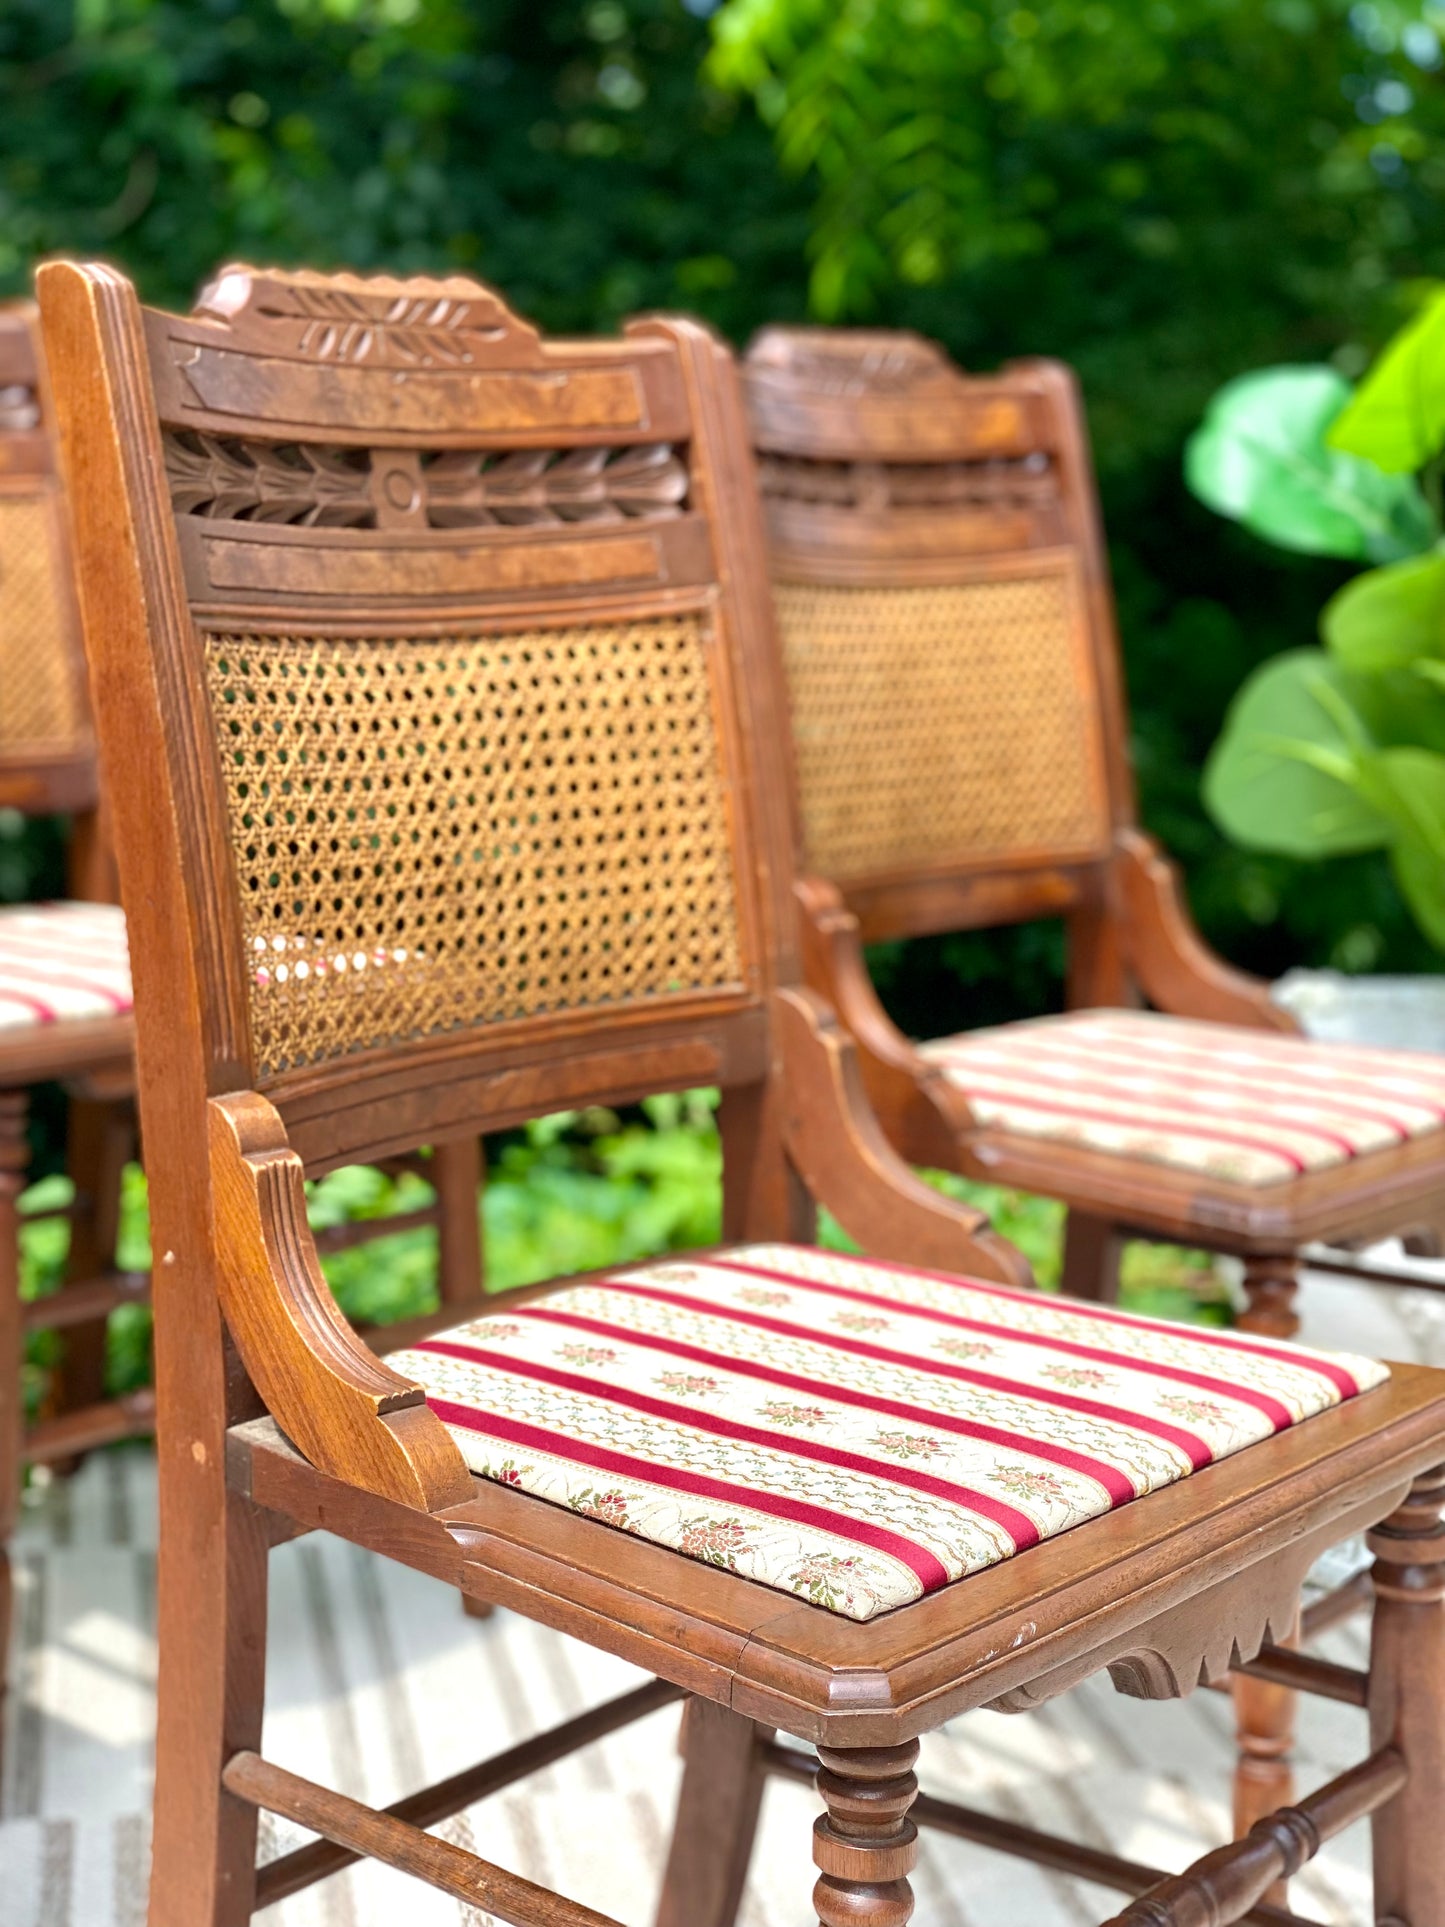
(482, 722)
(65, 992)
(948, 631)
(65, 1001)
(953, 666)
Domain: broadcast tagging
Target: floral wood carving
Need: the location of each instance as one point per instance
(377, 321)
(261, 482)
(1028, 480)
(857, 362)
(308, 486)
(536, 485)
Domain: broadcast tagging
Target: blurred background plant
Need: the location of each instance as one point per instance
(1162, 195)
(1330, 751)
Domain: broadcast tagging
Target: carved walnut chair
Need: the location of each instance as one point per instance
(498, 743)
(957, 704)
(953, 667)
(65, 989)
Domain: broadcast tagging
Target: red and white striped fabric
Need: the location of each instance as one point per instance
(62, 962)
(1249, 1107)
(853, 1432)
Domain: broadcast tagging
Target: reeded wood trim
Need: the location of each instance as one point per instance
(348, 1413)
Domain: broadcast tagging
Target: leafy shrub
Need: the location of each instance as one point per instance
(1342, 749)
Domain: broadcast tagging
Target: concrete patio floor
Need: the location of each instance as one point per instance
(379, 1684)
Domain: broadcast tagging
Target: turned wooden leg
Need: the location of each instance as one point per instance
(212, 1683)
(1271, 1283)
(865, 1843)
(1407, 1695)
(717, 1817)
(13, 1159)
(1093, 1251)
(1264, 1717)
(99, 1137)
(457, 1171)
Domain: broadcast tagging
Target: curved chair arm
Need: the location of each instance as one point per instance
(340, 1405)
(834, 1142)
(1175, 968)
(914, 1100)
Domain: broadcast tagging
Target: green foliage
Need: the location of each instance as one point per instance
(1342, 750)
(1158, 195)
(1397, 420)
(1155, 194)
(573, 1192)
(1264, 456)
(1284, 774)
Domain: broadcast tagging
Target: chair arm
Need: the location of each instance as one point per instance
(915, 1101)
(1175, 968)
(340, 1405)
(835, 1144)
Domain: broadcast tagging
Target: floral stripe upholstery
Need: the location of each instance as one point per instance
(60, 962)
(850, 1431)
(1248, 1107)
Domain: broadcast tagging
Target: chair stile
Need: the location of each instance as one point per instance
(460, 665)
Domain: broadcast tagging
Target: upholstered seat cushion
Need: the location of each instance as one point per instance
(850, 1431)
(61, 962)
(1245, 1106)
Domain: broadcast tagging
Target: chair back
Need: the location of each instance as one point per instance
(47, 752)
(947, 628)
(434, 689)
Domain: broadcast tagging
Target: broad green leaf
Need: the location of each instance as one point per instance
(1409, 784)
(1396, 418)
(1387, 618)
(1285, 774)
(1421, 876)
(1260, 457)
(1411, 788)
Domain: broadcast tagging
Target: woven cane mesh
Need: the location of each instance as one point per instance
(942, 724)
(434, 834)
(40, 698)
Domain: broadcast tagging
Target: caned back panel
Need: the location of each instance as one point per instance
(938, 606)
(459, 666)
(43, 713)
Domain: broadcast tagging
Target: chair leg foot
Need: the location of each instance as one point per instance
(1093, 1252)
(477, 1608)
(1407, 1691)
(717, 1817)
(1271, 1285)
(865, 1845)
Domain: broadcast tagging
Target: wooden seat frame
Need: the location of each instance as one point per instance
(274, 1420)
(94, 1058)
